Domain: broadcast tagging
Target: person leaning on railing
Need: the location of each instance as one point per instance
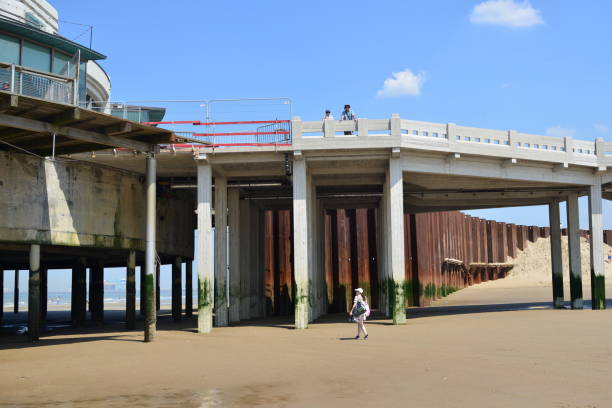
(347, 114)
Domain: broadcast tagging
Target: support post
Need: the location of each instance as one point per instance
(189, 288)
(34, 294)
(1, 294)
(44, 292)
(96, 298)
(221, 272)
(177, 286)
(300, 243)
(16, 293)
(157, 286)
(598, 288)
(395, 233)
(233, 206)
(555, 254)
(246, 266)
(205, 246)
(143, 294)
(573, 239)
(79, 292)
(130, 291)
(150, 252)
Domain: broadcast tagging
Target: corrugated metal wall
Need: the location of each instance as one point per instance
(444, 252)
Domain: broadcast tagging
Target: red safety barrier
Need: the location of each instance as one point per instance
(198, 123)
(280, 132)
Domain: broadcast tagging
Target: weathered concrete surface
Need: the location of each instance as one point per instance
(77, 204)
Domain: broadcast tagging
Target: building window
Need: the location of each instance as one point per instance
(36, 56)
(60, 63)
(9, 49)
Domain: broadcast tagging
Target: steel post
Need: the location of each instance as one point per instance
(150, 252)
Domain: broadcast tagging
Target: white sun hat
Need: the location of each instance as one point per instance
(359, 290)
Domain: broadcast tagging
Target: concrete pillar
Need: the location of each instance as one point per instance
(205, 246)
(256, 303)
(16, 293)
(143, 291)
(44, 292)
(246, 268)
(383, 253)
(301, 262)
(189, 288)
(555, 254)
(573, 238)
(130, 291)
(1, 294)
(395, 234)
(177, 289)
(157, 287)
(96, 297)
(221, 272)
(34, 294)
(598, 288)
(233, 206)
(79, 292)
(310, 214)
(150, 323)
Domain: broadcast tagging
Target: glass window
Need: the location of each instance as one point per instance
(434, 134)
(9, 49)
(60, 63)
(477, 139)
(496, 141)
(82, 81)
(36, 56)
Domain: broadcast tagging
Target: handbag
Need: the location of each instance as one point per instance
(359, 309)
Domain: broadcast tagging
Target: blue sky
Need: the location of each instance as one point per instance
(539, 67)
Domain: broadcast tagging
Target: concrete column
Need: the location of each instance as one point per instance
(205, 247)
(255, 304)
(246, 267)
(233, 206)
(16, 293)
(96, 298)
(395, 234)
(79, 292)
(157, 287)
(130, 291)
(34, 294)
(382, 252)
(573, 238)
(44, 292)
(177, 289)
(301, 262)
(150, 323)
(312, 284)
(1, 294)
(221, 272)
(143, 291)
(555, 254)
(189, 288)
(598, 288)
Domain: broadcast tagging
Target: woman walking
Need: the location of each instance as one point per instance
(359, 312)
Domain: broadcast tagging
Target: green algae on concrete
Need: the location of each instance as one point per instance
(576, 290)
(301, 304)
(598, 291)
(204, 306)
(150, 319)
(397, 302)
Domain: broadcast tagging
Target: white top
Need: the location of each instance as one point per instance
(330, 116)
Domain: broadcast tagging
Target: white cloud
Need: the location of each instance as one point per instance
(558, 131)
(601, 128)
(402, 83)
(507, 13)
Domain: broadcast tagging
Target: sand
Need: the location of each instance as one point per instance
(490, 345)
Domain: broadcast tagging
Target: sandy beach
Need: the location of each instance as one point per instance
(481, 347)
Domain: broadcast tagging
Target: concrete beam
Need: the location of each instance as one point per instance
(573, 236)
(555, 254)
(205, 246)
(72, 133)
(598, 288)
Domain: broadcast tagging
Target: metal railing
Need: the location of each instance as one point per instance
(28, 82)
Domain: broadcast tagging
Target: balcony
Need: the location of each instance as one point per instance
(44, 85)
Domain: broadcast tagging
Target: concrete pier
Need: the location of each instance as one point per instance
(221, 272)
(233, 206)
(1, 294)
(157, 287)
(573, 239)
(395, 231)
(598, 288)
(16, 292)
(189, 288)
(177, 286)
(246, 268)
(79, 292)
(130, 291)
(44, 293)
(34, 294)
(301, 261)
(143, 291)
(96, 297)
(150, 323)
(555, 254)
(205, 245)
